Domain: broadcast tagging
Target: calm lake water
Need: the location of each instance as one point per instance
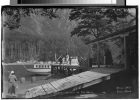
(20, 71)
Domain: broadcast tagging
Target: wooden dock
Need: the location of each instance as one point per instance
(66, 69)
(72, 83)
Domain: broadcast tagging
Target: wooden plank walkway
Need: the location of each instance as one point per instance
(74, 82)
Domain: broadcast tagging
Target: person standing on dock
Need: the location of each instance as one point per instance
(67, 59)
(60, 60)
(12, 84)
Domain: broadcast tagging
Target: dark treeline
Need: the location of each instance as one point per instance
(18, 47)
(39, 34)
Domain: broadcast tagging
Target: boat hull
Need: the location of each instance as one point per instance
(38, 68)
(40, 71)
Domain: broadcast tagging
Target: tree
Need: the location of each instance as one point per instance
(96, 22)
(13, 15)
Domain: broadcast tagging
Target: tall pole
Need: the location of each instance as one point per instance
(3, 50)
(88, 57)
(98, 52)
(125, 54)
(55, 57)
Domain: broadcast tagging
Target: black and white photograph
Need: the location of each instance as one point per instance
(69, 52)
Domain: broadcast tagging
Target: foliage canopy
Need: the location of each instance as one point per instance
(96, 22)
(15, 14)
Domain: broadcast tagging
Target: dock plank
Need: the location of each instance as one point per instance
(66, 85)
(62, 82)
(55, 85)
(93, 75)
(75, 82)
(49, 88)
(85, 78)
(36, 92)
(59, 83)
(89, 76)
(41, 91)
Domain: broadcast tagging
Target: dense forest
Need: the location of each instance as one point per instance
(28, 47)
(39, 38)
(38, 34)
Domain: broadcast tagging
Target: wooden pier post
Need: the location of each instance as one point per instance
(56, 69)
(51, 69)
(69, 71)
(22, 79)
(33, 79)
(61, 70)
(72, 71)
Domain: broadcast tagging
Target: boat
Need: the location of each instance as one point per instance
(68, 62)
(38, 68)
(45, 68)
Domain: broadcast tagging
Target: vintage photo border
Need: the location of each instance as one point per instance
(70, 6)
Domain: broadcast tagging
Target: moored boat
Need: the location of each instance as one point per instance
(45, 68)
(38, 68)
